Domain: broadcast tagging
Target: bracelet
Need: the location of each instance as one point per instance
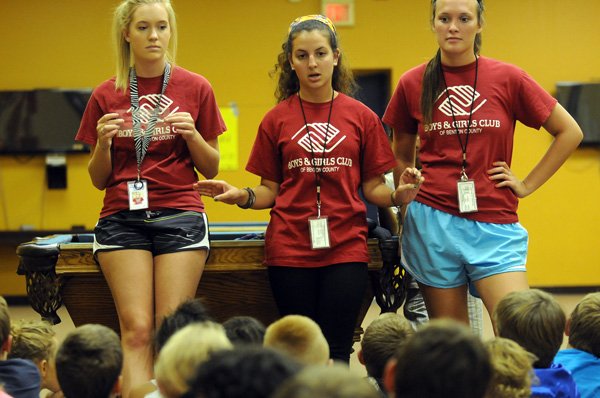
(251, 199)
(393, 201)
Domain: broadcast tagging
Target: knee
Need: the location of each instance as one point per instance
(137, 333)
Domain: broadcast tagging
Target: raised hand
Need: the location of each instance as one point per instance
(408, 186)
(183, 124)
(107, 127)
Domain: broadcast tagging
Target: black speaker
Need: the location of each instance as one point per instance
(56, 171)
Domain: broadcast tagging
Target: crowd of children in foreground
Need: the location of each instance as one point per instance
(197, 357)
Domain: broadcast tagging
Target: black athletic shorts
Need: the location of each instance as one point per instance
(159, 231)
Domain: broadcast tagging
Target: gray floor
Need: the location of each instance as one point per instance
(567, 301)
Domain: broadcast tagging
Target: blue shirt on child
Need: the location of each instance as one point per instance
(554, 382)
(585, 369)
(20, 378)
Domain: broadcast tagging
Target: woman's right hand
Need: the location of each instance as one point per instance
(221, 191)
(107, 127)
(409, 184)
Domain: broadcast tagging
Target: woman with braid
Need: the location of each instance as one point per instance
(462, 229)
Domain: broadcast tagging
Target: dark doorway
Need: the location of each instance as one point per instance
(374, 92)
(374, 88)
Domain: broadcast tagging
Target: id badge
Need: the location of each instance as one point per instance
(467, 199)
(319, 232)
(138, 194)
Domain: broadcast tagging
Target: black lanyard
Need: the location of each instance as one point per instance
(312, 153)
(142, 138)
(464, 148)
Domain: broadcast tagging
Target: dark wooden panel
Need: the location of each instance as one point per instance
(234, 282)
(88, 300)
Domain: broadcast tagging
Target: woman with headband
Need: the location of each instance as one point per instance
(462, 229)
(150, 128)
(313, 152)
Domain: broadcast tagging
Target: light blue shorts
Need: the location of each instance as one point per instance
(446, 251)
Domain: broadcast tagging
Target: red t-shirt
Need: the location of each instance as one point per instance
(504, 94)
(357, 149)
(168, 166)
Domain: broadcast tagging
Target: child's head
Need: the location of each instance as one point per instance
(511, 369)
(442, 359)
(244, 330)
(188, 312)
(89, 362)
(300, 337)
(535, 320)
(583, 327)
(36, 341)
(185, 350)
(5, 337)
(335, 381)
(381, 340)
(245, 372)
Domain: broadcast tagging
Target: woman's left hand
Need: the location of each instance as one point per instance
(504, 177)
(183, 124)
(408, 186)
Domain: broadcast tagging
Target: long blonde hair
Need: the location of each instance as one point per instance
(121, 20)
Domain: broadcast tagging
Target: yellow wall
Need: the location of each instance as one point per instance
(234, 44)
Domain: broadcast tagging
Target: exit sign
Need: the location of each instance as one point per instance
(341, 12)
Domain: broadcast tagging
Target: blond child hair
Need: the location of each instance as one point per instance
(511, 369)
(183, 352)
(299, 337)
(36, 341)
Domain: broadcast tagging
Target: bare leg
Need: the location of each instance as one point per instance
(416, 313)
(130, 278)
(176, 279)
(493, 288)
(446, 303)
